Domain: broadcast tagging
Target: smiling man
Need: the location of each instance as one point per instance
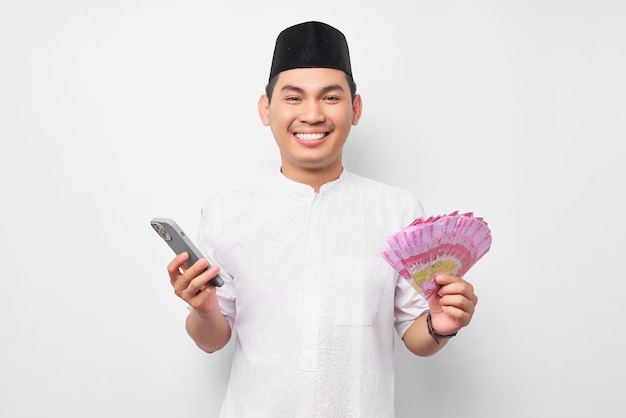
(310, 113)
(313, 303)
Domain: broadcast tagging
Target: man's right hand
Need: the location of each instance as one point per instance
(190, 284)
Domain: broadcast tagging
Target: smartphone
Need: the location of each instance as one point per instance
(178, 241)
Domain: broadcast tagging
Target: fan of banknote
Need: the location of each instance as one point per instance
(444, 244)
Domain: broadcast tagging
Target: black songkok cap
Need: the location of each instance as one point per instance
(311, 45)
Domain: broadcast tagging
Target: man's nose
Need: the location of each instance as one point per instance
(312, 112)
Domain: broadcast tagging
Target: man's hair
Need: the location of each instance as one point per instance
(269, 89)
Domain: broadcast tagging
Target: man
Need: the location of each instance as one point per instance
(313, 303)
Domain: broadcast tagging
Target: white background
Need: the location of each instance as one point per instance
(113, 112)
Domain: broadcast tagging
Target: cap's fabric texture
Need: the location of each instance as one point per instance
(311, 45)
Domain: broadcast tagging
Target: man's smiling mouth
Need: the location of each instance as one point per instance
(311, 137)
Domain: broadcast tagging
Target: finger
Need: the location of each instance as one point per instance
(184, 279)
(208, 275)
(197, 268)
(457, 302)
(198, 283)
(456, 285)
(176, 266)
(200, 300)
(461, 317)
(446, 279)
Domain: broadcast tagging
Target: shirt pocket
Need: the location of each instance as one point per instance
(361, 285)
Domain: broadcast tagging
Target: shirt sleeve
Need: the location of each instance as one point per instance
(409, 304)
(208, 234)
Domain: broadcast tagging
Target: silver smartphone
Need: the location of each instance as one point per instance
(178, 241)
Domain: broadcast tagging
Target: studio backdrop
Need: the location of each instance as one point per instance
(112, 113)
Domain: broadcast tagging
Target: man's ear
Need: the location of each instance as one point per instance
(264, 109)
(357, 109)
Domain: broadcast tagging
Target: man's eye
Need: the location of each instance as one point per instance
(292, 99)
(331, 98)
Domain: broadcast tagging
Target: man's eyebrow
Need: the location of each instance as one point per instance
(327, 89)
(288, 87)
(333, 87)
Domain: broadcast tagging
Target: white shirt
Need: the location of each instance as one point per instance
(311, 300)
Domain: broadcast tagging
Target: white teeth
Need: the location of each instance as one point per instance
(310, 137)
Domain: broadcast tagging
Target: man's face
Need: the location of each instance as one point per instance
(310, 115)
